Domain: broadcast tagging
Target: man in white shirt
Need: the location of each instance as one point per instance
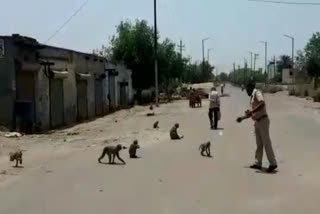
(214, 108)
(259, 115)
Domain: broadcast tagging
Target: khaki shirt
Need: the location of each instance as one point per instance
(255, 99)
(214, 100)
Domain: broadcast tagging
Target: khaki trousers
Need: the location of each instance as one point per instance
(263, 141)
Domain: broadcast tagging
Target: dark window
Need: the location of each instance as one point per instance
(26, 58)
(291, 73)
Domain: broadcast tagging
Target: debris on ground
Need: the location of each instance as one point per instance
(3, 172)
(73, 133)
(13, 135)
(151, 114)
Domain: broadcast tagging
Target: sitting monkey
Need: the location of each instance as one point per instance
(133, 149)
(205, 147)
(174, 132)
(156, 125)
(112, 152)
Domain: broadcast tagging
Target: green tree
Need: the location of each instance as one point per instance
(223, 77)
(301, 60)
(133, 46)
(312, 51)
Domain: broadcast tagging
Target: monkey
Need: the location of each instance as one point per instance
(16, 156)
(112, 152)
(133, 149)
(156, 125)
(174, 133)
(151, 107)
(205, 147)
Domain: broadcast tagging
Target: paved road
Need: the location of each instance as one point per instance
(171, 177)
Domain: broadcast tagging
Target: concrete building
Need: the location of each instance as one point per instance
(288, 76)
(44, 87)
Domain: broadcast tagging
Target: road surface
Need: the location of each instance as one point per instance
(172, 177)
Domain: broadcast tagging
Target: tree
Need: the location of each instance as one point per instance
(312, 51)
(283, 62)
(223, 77)
(301, 61)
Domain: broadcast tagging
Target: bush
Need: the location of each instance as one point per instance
(146, 96)
(271, 89)
(316, 96)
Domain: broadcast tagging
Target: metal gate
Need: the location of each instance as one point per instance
(99, 97)
(56, 103)
(123, 95)
(82, 100)
(25, 99)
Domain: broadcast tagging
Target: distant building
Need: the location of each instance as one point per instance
(44, 87)
(288, 75)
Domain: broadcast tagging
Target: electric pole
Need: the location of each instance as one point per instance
(292, 40)
(254, 66)
(251, 56)
(156, 52)
(234, 72)
(181, 48)
(203, 60)
(265, 62)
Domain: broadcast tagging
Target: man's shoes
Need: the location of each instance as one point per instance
(272, 168)
(255, 166)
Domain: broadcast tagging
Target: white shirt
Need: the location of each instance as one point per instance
(214, 99)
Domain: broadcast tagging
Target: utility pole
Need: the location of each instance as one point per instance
(234, 72)
(292, 40)
(210, 49)
(274, 68)
(156, 53)
(181, 48)
(203, 60)
(251, 56)
(266, 61)
(245, 70)
(254, 66)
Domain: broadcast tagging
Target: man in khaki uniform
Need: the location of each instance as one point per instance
(261, 126)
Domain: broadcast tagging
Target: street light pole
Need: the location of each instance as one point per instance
(203, 60)
(156, 53)
(265, 62)
(292, 39)
(251, 56)
(254, 66)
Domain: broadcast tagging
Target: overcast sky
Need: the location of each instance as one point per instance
(235, 26)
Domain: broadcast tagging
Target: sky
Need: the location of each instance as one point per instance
(234, 26)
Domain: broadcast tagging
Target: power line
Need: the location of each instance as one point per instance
(287, 2)
(67, 21)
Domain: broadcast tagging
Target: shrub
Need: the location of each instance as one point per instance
(271, 89)
(146, 96)
(316, 96)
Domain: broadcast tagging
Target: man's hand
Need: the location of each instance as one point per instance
(239, 119)
(248, 113)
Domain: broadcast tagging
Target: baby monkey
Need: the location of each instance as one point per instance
(16, 156)
(156, 125)
(133, 149)
(205, 147)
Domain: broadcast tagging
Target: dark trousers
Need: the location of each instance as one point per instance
(213, 117)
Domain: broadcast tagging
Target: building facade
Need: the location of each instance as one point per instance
(44, 87)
